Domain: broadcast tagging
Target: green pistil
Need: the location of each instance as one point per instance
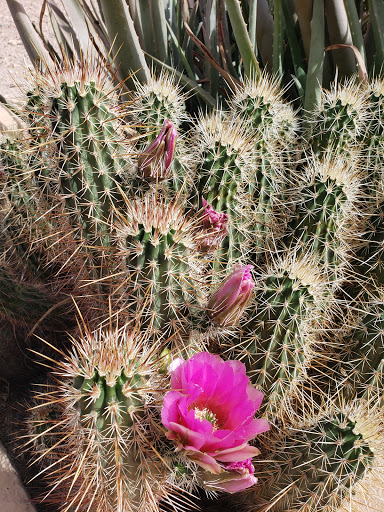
(206, 414)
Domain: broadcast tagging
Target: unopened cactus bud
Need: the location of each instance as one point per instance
(226, 306)
(215, 226)
(156, 159)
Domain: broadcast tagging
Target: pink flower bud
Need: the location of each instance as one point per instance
(215, 225)
(226, 306)
(155, 160)
(236, 477)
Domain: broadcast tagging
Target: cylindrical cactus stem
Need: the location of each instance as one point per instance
(292, 304)
(153, 102)
(319, 463)
(340, 121)
(260, 106)
(331, 210)
(225, 178)
(161, 267)
(372, 139)
(359, 367)
(91, 154)
(260, 103)
(105, 426)
(29, 226)
(370, 258)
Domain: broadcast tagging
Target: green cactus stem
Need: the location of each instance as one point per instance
(291, 306)
(104, 424)
(340, 121)
(318, 465)
(226, 171)
(330, 213)
(162, 269)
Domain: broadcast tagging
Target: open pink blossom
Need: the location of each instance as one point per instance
(210, 411)
(226, 306)
(215, 226)
(236, 477)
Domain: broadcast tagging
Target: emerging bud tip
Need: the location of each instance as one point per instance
(156, 159)
(215, 226)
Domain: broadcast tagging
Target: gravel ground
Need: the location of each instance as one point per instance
(13, 57)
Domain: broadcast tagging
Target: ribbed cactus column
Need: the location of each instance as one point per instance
(260, 106)
(370, 258)
(358, 366)
(318, 465)
(159, 99)
(226, 170)
(340, 121)
(64, 197)
(162, 270)
(292, 304)
(104, 424)
(91, 155)
(331, 210)
(26, 220)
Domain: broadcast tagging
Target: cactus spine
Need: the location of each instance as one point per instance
(138, 250)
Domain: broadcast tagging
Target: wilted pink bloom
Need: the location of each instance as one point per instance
(226, 306)
(210, 411)
(155, 160)
(215, 224)
(236, 477)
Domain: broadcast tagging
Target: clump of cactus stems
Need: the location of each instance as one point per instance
(179, 236)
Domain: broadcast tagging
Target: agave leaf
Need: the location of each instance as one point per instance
(189, 84)
(225, 43)
(144, 13)
(31, 40)
(294, 46)
(210, 25)
(376, 9)
(126, 48)
(160, 30)
(252, 23)
(181, 53)
(251, 66)
(316, 58)
(354, 24)
(304, 15)
(63, 31)
(134, 9)
(340, 33)
(264, 34)
(278, 37)
(76, 16)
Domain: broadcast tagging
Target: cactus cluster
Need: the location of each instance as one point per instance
(229, 233)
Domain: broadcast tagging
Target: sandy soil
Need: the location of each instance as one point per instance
(13, 57)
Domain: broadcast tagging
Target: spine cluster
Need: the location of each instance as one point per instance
(173, 236)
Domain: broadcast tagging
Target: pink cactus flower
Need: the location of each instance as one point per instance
(215, 225)
(209, 412)
(236, 477)
(226, 306)
(157, 157)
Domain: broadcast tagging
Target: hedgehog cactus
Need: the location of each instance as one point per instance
(319, 462)
(101, 422)
(225, 234)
